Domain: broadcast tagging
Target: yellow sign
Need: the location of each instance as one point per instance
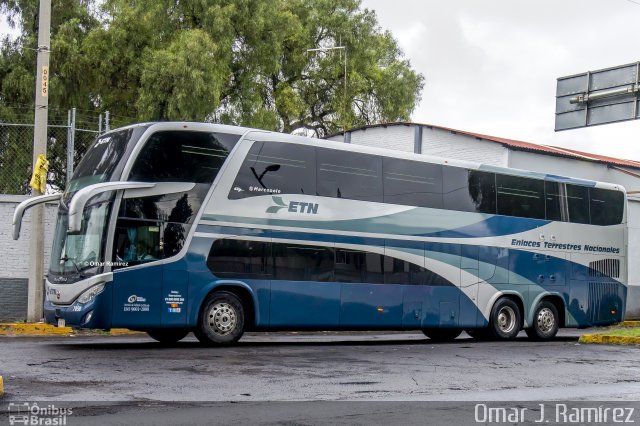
(45, 81)
(39, 177)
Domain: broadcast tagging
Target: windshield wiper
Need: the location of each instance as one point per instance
(75, 265)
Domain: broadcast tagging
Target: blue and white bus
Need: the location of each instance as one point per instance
(171, 228)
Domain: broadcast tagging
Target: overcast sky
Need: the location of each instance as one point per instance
(491, 66)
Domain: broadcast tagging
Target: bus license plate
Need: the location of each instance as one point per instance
(61, 322)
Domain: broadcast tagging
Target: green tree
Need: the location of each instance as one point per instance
(243, 62)
(71, 23)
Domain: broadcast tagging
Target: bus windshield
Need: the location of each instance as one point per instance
(80, 254)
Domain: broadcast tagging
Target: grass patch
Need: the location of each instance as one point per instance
(622, 331)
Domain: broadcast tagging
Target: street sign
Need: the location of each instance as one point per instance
(598, 97)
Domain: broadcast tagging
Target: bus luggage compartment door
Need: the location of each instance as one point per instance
(174, 296)
(136, 299)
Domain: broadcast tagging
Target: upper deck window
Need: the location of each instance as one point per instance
(566, 202)
(182, 156)
(284, 168)
(412, 183)
(521, 197)
(351, 175)
(606, 206)
(469, 190)
(276, 168)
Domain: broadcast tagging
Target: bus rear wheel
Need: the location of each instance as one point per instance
(545, 322)
(505, 319)
(168, 335)
(221, 320)
(442, 334)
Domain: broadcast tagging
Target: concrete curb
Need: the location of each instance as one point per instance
(1, 386)
(605, 339)
(630, 324)
(123, 332)
(39, 329)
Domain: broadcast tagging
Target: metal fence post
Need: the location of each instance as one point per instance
(106, 121)
(100, 124)
(68, 141)
(71, 138)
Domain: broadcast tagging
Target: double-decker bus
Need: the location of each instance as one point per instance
(170, 228)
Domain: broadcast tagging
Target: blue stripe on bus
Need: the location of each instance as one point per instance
(412, 225)
(519, 267)
(229, 230)
(494, 226)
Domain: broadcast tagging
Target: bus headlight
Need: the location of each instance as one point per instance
(90, 294)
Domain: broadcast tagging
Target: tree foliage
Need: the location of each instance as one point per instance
(243, 62)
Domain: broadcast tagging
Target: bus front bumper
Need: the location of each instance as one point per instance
(95, 313)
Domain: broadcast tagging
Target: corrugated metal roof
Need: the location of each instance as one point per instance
(518, 145)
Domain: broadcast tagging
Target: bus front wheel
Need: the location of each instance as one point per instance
(168, 335)
(221, 320)
(545, 322)
(442, 334)
(505, 319)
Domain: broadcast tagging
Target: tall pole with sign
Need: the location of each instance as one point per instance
(36, 243)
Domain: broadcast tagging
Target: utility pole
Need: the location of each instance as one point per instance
(36, 243)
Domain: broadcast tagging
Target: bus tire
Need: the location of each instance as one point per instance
(221, 320)
(505, 319)
(442, 334)
(546, 322)
(168, 335)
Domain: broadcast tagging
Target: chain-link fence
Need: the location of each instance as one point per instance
(67, 142)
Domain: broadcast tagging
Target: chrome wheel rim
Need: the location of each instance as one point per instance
(222, 318)
(546, 320)
(506, 319)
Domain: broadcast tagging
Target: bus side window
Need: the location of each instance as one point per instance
(566, 202)
(295, 262)
(276, 168)
(354, 266)
(606, 206)
(168, 156)
(520, 197)
(350, 175)
(412, 183)
(469, 190)
(137, 242)
(180, 156)
(230, 258)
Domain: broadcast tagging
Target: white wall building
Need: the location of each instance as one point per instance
(457, 144)
(15, 261)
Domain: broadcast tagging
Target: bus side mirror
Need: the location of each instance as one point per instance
(18, 213)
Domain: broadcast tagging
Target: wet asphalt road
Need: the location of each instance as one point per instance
(330, 367)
